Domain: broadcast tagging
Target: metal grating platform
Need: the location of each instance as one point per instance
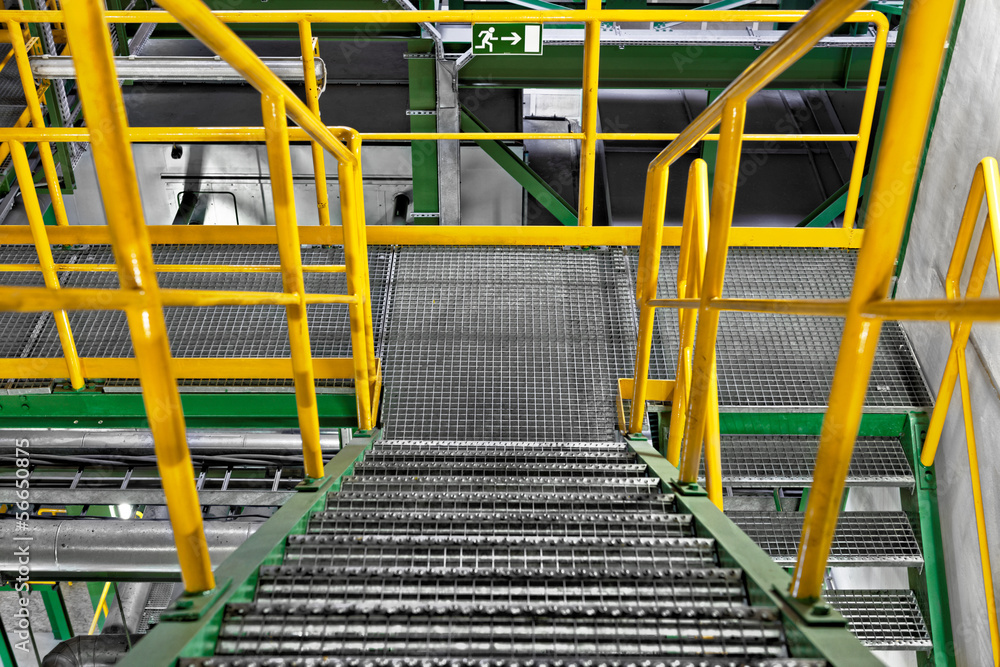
(883, 620)
(786, 362)
(224, 331)
(862, 538)
(767, 461)
(507, 343)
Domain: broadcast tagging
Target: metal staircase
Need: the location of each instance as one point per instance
(461, 567)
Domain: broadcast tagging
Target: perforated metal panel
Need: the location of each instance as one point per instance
(862, 538)
(507, 343)
(787, 361)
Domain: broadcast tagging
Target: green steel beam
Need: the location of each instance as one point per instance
(55, 608)
(817, 631)
(664, 66)
(832, 208)
(929, 583)
(95, 409)
(424, 154)
(521, 172)
(189, 629)
(890, 8)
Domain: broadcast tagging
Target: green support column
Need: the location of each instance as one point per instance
(55, 608)
(423, 154)
(930, 583)
(7, 658)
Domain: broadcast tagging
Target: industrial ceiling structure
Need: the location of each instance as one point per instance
(486, 332)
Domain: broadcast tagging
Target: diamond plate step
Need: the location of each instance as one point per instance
(514, 525)
(787, 460)
(416, 553)
(711, 587)
(862, 538)
(458, 631)
(884, 620)
(371, 484)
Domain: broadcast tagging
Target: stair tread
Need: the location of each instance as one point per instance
(862, 538)
(888, 620)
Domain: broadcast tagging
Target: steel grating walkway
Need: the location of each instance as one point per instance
(883, 620)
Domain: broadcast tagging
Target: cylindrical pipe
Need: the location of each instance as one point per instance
(68, 442)
(184, 68)
(84, 548)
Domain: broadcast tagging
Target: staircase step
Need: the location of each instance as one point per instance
(421, 553)
(710, 587)
(464, 484)
(435, 455)
(609, 503)
(449, 630)
(884, 620)
(479, 524)
(498, 447)
(767, 461)
(517, 467)
(862, 538)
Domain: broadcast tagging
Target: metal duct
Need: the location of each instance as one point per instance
(177, 68)
(94, 548)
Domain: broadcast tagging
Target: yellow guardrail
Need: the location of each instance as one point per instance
(894, 181)
(985, 185)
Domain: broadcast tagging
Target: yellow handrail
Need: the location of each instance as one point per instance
(985, 185)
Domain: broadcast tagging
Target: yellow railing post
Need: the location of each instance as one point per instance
(104, 111)
(917, 72)
(312, 99)
(703, 360)
(653, 211)
(279, 162)
(352, 213)
(588, 147)
(34, 106)
(867, 115)
(34, 212)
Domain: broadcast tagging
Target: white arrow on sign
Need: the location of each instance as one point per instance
(513, 40)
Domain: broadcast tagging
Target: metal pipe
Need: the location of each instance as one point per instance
(309, 46)
(93, 548)
(588, 147)
(181, 68)
(69, 442)
(915, 89)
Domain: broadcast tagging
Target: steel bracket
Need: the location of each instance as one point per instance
(309, 485)
(192, 606)
(688, 488)
(818, 613)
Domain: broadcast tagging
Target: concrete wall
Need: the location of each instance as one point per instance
(967, 129)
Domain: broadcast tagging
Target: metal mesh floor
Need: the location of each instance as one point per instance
(787, 460)
(507, 344)
(883, 620)
(862, 538)
(787, 361)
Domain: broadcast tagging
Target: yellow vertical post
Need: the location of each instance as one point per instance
(703, 362)
(356, 260)
(920, 57)
(104, 111)
(867, 114)
(34, 211)
(653, 211)
(279, 160)
(34, 107)
(312, 101)
(588, 146)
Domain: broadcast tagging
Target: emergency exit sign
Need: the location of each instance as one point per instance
(507, 39)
